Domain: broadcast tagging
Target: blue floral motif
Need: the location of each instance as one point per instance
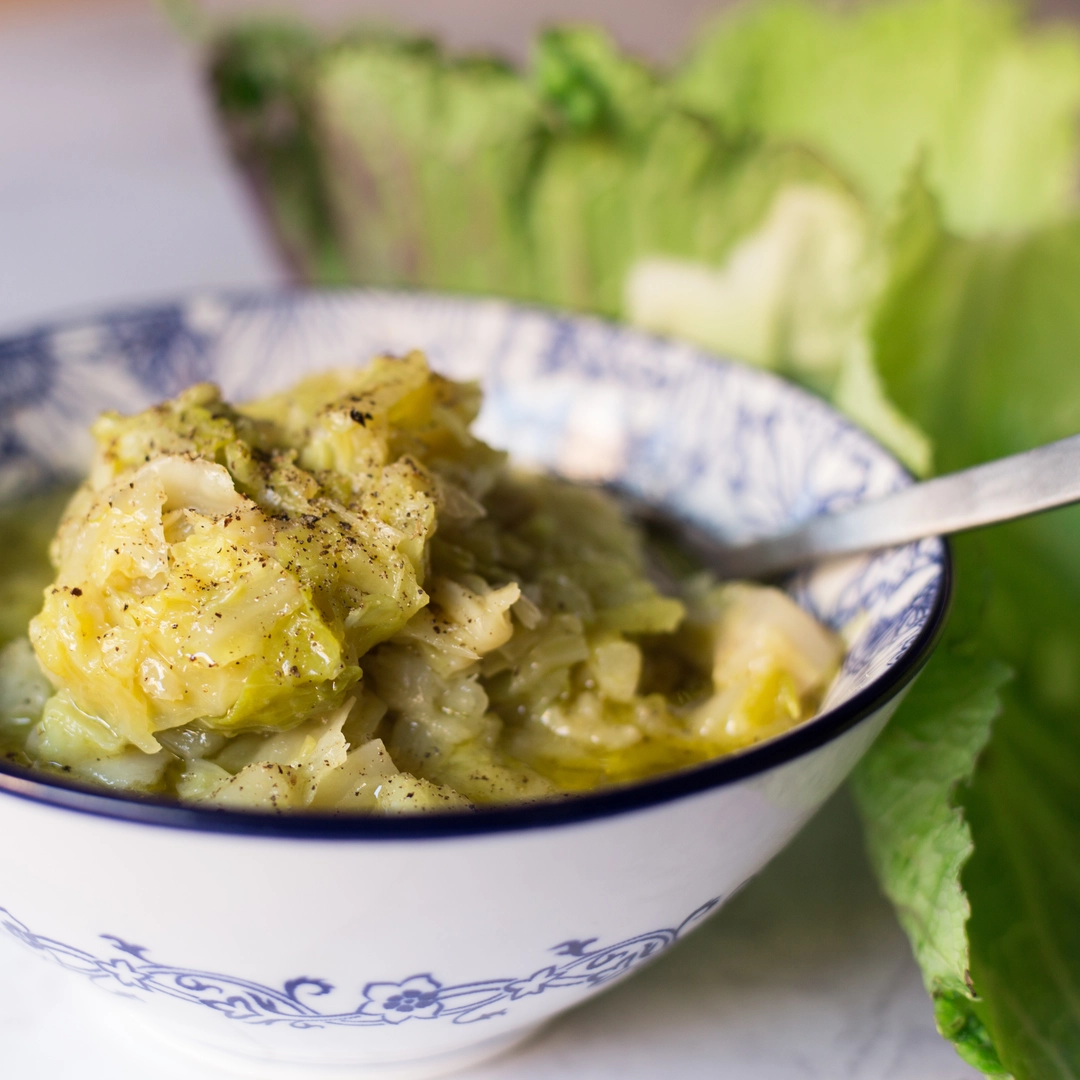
(414, 999)
(419, 997)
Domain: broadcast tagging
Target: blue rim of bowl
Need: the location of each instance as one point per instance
(64, 794)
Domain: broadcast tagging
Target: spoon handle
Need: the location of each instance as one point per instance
(1001, 490)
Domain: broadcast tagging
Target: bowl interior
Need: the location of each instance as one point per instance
(732, 448)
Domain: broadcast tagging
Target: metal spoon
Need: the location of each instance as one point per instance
(1001, 490)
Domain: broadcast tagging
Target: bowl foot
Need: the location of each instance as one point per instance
(214, 1062)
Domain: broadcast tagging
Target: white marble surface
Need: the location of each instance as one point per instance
(114, 189)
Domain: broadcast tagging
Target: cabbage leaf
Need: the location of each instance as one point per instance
(988, 106)
(908, 789)
(380, 160)
(977, 340)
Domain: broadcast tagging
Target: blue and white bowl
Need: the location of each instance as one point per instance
(410, 946)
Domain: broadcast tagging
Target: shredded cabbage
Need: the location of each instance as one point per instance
(338, 599)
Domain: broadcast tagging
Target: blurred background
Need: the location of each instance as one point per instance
(658, 30)
(114, 186)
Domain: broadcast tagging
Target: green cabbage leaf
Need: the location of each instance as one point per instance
(978, 341)
(989, 107)
(908, 791)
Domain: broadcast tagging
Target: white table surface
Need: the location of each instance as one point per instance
(114, 189)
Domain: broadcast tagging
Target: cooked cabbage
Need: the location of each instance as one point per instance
(338, 599)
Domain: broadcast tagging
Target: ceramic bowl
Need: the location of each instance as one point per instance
(406, 947)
